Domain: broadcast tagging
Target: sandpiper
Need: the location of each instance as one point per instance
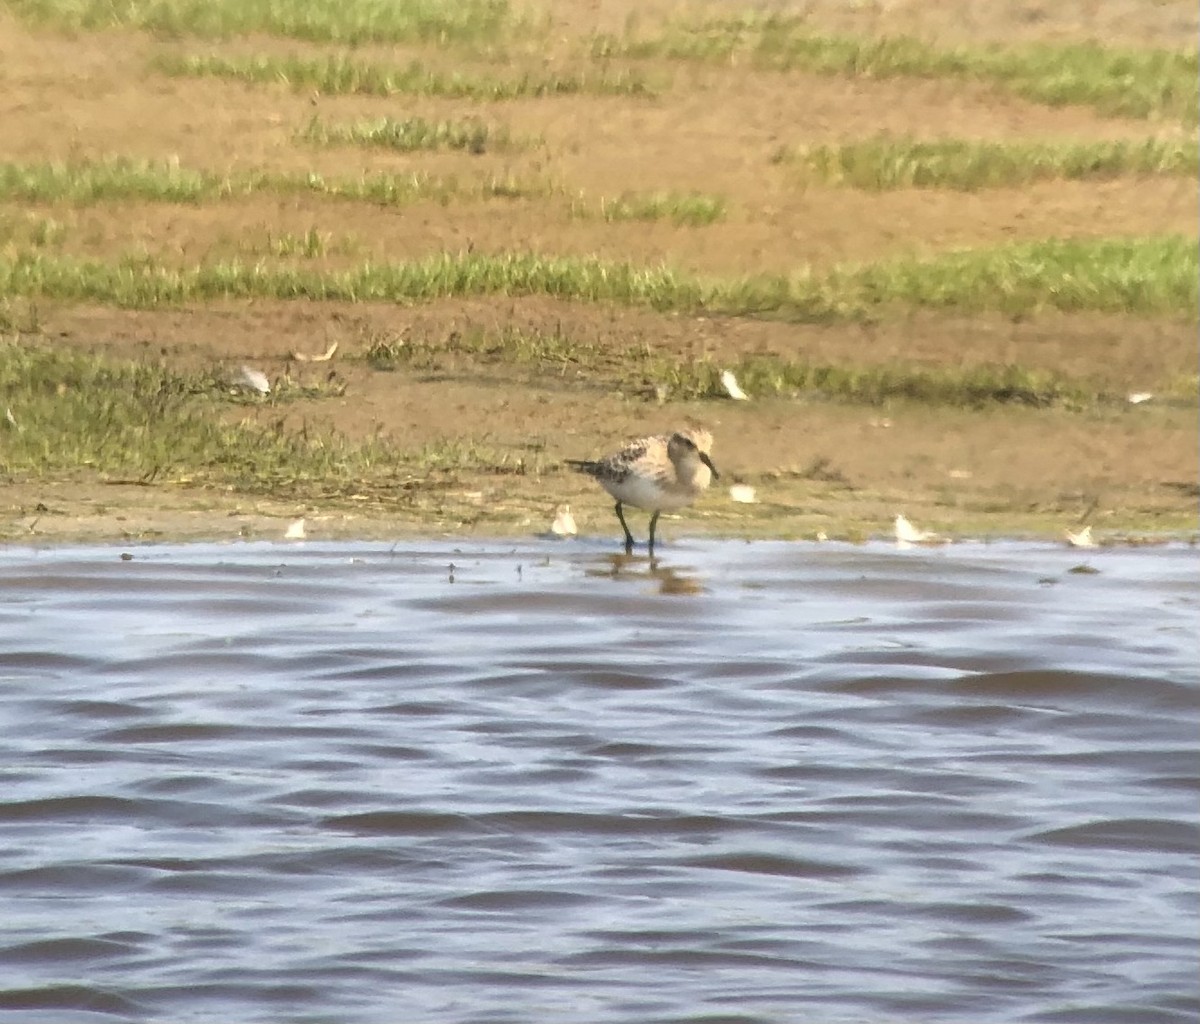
(659, 474)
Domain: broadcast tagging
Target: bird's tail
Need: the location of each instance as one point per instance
(583, 466)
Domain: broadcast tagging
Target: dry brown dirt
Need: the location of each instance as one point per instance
(820, 467)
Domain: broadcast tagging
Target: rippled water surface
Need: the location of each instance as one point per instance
(539, 784)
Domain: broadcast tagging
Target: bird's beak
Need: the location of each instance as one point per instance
(708, 462)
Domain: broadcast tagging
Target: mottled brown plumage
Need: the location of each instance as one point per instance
(659, 473)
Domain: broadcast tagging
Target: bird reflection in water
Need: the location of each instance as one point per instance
(634, 567)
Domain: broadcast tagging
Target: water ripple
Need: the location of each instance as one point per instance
(542, 782)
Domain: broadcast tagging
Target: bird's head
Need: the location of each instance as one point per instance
(692, 443)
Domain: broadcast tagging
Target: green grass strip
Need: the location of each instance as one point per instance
(968, 165)
(1154, 275)
(93, 181)
(342, 75)
(1157, 275)
(877, 385)
(88, 182)
(409, 135)
(348, 22)
(642, 368)
(1115, 82)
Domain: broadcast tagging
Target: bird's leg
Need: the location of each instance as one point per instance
(628, 535)
(653, 524)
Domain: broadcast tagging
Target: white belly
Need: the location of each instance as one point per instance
(656, 495)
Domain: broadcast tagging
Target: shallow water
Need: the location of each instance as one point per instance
(540, 783)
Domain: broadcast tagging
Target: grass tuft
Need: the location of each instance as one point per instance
(343, 75)
(313, 244)
(968, 165)
(29, 230)
(684, 209)
(88, 181)
(414, 133)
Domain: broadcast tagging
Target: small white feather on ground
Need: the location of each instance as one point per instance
(907, 534)
(744, 494)
(255, 380)
(732, 388)
(564, 522)
(906, 531)
(1082, 539)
